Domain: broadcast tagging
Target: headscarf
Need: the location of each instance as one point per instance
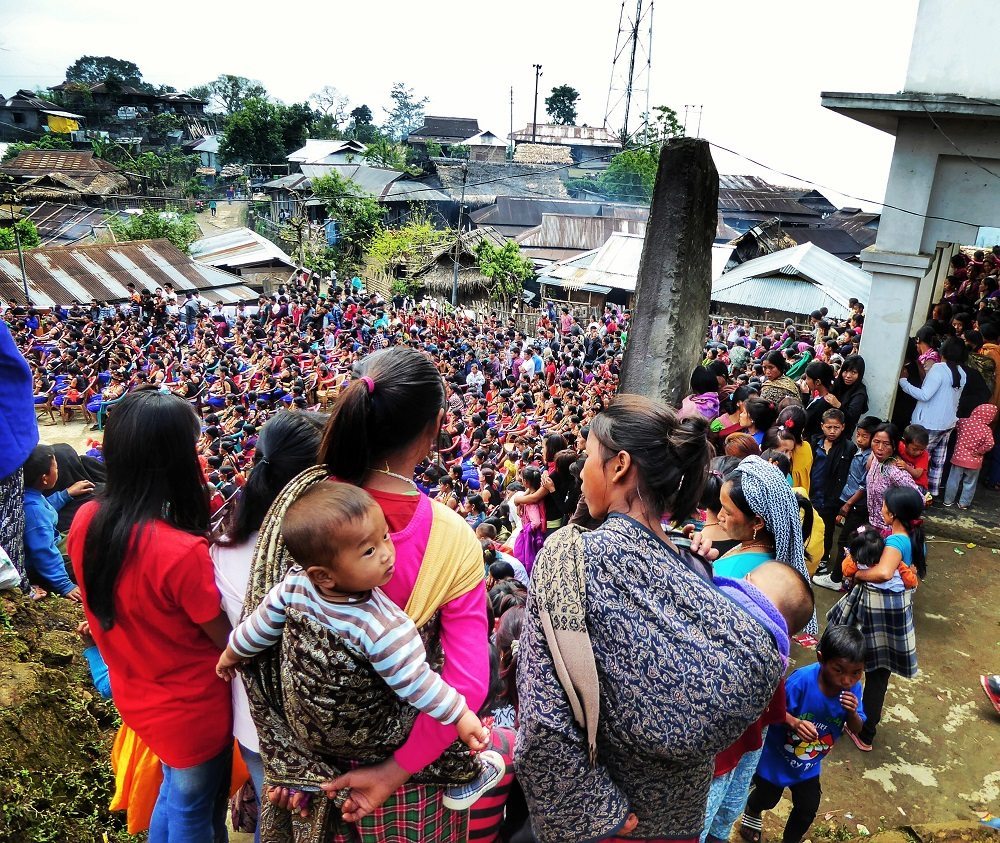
(769, 496)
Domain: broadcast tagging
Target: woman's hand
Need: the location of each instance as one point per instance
(701, 545)
(832, 400)
(290, 799)
(370, 787)
(631, 821)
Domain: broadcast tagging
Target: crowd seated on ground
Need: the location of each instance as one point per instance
(512, 442)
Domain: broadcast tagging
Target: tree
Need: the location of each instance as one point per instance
(359, 216)
(182, 231)
(201, 92)
(27, 232)
(254, 134)
(329, 102)
(361, 127)
(297, 121)
(630, 175)
(506, 267)
(92, 69)
(560, 105)
(406, 114)
(660, 126)
(382, 152)
(231, 92)
(407, 247)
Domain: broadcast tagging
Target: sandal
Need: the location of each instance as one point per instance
(750, 835)
(860, 744)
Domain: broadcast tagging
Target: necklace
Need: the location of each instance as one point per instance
(393, 474)
(710, 524)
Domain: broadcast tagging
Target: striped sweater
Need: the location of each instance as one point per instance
(374, 627)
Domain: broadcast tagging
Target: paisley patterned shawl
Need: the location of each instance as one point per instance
(318, 706)
(681, 671)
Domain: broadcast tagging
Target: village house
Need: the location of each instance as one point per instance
(26, 115)
(587, 144)
(444, 131)
(319, 151)
(62, 175)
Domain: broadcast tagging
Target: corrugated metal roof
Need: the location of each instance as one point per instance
(238, 248)
(526, 211)
(34, 161)
(63, 225)
(798, 280)
(615, 264)
(371, 180)
(296, 181)
(486, 138)
(208, 144)
(560, 236)
(102, 271)
(316, 149)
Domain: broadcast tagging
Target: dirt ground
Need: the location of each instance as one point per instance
(227, 217)
(937, 756)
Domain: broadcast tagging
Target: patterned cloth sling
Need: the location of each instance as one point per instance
(321, 709)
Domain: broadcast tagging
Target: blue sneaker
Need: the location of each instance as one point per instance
(460, 797)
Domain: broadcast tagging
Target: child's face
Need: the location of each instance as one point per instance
(366, 558)
(832, 430)
(914, 450)
(863, 439)
(840, 673)
(887, 516)
(786, 446)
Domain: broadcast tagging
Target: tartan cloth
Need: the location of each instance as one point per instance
(885, 618)
(413, 814)
(937, 447)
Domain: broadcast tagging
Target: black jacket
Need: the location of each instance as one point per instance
(838, 463)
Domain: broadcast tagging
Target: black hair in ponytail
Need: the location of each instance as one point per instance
(396, 393)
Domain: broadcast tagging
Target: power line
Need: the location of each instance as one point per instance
(957, 148)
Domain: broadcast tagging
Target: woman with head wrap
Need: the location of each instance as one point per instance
(762, 513)
(778, 386)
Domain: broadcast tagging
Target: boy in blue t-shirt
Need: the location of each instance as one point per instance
(823, 698)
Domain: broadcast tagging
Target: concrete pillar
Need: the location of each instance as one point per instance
(674, 286)
(896, 278)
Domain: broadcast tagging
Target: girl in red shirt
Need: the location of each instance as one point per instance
(140, 555)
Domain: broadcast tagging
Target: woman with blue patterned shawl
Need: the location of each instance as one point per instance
(634, 670)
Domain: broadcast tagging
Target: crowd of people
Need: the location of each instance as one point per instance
(364, 488)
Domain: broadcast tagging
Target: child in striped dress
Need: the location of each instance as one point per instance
(338, 536)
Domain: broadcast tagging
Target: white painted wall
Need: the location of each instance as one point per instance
(939, 64)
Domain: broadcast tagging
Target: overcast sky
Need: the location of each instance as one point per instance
(757, 68)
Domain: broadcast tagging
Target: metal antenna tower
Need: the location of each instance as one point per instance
(628, 90)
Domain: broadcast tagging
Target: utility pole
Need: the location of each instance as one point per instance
(534, 119)
(458, 240)
(11, 196)
(511, 149)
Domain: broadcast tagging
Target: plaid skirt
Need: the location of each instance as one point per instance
(413, 814)
(885, 618)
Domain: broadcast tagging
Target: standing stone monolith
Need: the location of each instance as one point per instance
(667, 336)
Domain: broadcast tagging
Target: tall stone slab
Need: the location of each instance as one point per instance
(674, 287)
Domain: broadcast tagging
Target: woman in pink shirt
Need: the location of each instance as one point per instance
(385, 423)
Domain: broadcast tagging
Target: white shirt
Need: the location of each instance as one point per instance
(937, 399)
(232, 574)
